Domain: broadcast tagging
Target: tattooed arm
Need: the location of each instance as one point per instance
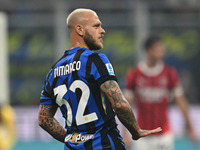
(49, 123)
(123, 110)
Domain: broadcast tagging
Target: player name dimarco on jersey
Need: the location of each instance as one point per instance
(66, 69)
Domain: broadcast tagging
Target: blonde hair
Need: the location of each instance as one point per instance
(75, 15)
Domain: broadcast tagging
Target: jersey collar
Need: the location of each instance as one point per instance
(151, 71)
(73, 50)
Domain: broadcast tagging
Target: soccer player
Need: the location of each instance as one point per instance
(82, 83)
(150, 83)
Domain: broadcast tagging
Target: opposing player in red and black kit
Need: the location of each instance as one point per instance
(150, 83)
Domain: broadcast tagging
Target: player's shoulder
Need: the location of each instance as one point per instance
(170, 71)
(102, 56)
(95, 55)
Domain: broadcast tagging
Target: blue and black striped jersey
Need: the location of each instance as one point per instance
(73, 84)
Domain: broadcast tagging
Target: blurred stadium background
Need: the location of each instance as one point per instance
(37, 36)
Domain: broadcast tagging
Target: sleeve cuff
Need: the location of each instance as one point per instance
(106, 78)
(178, 91)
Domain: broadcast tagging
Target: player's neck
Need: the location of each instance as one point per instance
(78, 42)
(151, 63)
(78, 45)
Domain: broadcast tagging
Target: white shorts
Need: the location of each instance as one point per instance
(157, 142)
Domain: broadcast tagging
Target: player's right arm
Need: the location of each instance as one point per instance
(49, 123)
(47, 110)
(123, 110)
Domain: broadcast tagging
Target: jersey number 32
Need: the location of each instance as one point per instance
(61, 90)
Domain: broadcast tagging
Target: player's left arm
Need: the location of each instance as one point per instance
(123, 110)
(182, 104)
(49, 123)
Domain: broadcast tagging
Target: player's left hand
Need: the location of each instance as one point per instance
(143, 133)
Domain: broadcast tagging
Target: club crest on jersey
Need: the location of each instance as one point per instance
(110, 69)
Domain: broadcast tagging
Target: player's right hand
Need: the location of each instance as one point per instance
(143, 133)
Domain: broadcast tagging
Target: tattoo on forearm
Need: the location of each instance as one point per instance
(125, 114)
(50, 124)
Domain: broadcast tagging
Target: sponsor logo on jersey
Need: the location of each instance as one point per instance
(110, 69)
(152, 94)
(78, 137)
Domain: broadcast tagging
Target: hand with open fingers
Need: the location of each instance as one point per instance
(143, 133)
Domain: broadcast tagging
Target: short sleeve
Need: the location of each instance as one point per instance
(101, 68)
(175, 85)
